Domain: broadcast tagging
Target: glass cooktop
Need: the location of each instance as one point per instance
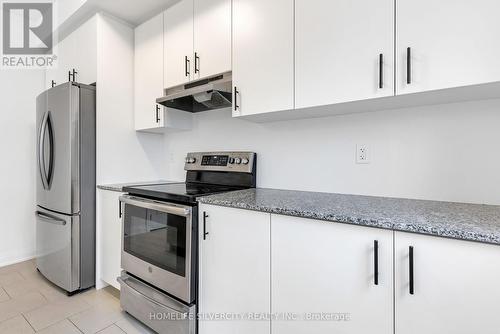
(179, 192)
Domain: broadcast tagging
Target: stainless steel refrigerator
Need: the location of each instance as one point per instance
(65, 185)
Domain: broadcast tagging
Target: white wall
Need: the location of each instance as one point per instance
(123, 155)
(443, 152)
(18, 91)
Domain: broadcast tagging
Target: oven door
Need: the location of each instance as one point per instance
(158, 245)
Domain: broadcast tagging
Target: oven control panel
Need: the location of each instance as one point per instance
(242, 162)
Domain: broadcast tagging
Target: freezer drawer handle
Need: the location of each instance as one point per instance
(50, 219)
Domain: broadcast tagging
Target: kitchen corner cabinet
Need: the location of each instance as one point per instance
(148, 74)
(178, 41)
(323, 267)
(454, 47)
(455, 286)
(234, 269)
(263, 56)
(344, 51)
(109, 229)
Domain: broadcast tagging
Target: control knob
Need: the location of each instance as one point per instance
(244, 161)
(237, 161)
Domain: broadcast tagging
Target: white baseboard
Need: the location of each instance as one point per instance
(8, 262)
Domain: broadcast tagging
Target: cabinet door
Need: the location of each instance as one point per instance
(84, 55)
(263, 47)
(109, 229)
(65, 51)
(455, 283)
(179, 44)
(212, 37)
(234, 269)
(452, 43)
(148, 71)
(338, 51)
(329, 268)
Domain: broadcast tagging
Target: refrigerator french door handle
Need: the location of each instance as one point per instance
(50, 219)
(50, 173)
(46, 175)
(41, 149)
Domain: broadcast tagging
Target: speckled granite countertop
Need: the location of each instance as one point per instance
(119, 186)
(453, 220)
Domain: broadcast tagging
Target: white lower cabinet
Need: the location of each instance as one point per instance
(455, 286)
(234, 270)
(320, 277)
(109, 229)
(323, 268)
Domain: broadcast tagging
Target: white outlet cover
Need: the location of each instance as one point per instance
(362, 154)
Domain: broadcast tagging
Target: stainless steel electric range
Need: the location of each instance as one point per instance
(160, 238)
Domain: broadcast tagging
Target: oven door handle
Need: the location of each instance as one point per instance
(157, 206)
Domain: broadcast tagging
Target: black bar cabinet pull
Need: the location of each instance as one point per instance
(205, 233)
(119, 209)
(157, 114)
(72, 75)
(381, 71)
(186, 64)
(236, 106)
(412, 280)
(53, 83)
(408, 66)
(375, 261)
(196, 61)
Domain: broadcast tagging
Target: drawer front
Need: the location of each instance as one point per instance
(155, 309)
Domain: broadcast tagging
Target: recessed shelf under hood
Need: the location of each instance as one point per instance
(202, 95)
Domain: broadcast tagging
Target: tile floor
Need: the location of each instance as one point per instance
(31, 304)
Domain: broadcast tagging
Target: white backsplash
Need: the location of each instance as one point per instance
(442, 152)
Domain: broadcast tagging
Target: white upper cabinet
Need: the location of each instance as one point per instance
(344, 51)
(455, 285)
(234, 269)
(263, 64)
(452, 43)
(78, 52)
(148, 71)
(178, 42)
(84, 42)
(320, 267)
(212, 37)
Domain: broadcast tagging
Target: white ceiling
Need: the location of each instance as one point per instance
(132, 11)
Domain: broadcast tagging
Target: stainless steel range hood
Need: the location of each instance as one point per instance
(205, 94)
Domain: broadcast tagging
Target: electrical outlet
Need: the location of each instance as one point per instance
(362, 154)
